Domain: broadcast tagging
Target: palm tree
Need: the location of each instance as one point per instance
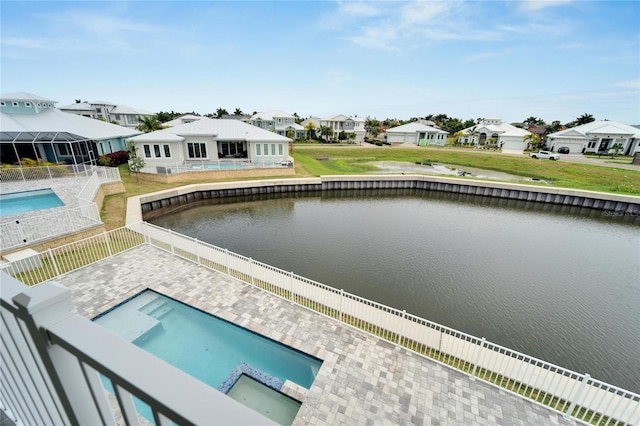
(584, 119)
(311, 130)
(148, 123)
(326, 131)
(238, 111)
(533, 140)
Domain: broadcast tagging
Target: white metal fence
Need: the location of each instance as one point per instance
(54, 223)
(167, 168)
(14, 174)
(577, 395)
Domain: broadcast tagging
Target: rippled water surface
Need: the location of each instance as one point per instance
(561, 284)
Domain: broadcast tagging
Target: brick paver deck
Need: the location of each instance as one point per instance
(363, 379)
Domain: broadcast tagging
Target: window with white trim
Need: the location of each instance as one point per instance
(156, 151)
(167, 151)
(147, 151)
(63, 149)
(197, 149)
(280, 149)
(258, 149)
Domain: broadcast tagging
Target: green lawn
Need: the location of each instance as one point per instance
(559, 173)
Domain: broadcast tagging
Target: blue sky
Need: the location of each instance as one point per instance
(468, 59)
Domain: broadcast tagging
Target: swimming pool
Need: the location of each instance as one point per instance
(220, 166)
(210, 349)
(27, 201)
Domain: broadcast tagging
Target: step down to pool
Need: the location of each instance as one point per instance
(137, 318)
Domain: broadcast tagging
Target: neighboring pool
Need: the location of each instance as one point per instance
(22, 202)
(219, 166)
(208, 348)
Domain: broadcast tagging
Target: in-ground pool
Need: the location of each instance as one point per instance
(210, 349)
(27, 201)
(219, 166)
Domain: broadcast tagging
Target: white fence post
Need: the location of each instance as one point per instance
(340, 304)
(476, 358)
(49, 170)
(253, 283)
(226, 259)
(197, 244)
(171, 241)
(401, 328)
(106, 240)
(53, 262)
(291, 286)
(574, 398)
(145, 233)
(20, 232)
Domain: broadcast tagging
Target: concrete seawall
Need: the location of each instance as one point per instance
(143, 206)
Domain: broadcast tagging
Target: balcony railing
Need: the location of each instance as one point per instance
(576, 395)
(53, 360)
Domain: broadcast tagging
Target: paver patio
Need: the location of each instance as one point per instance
(363, 379)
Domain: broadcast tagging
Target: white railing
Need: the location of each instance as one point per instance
(53, 362)
(99, 175)
(166, 168)
(14, 174)
(577, 395)
(55, 223)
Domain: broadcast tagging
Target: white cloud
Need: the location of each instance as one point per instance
(359, 9)
(535, 5)
(629, 84)
(28, 43)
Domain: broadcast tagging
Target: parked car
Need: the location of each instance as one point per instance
(545, 154)
(563, 150)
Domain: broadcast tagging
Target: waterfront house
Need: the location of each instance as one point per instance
(32, 127)
(108, 111)
(495, 132)
(279, 122)
(416, 133)
(342, 123)
(597, 137)
(210, 139)
(183, 119)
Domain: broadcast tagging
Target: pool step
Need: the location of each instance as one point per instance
(155, 307)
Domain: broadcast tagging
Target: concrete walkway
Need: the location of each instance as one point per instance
(363, 380)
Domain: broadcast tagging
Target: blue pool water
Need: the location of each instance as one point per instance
(220, 166)
(21, 202)
(204, 346)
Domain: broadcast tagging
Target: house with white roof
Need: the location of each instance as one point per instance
(495, 132)
(342, 123)
(416, 133)
(279, 122)
(211, 140)
(597, 136)
(183, 119)
(32, 127)
(109, 112)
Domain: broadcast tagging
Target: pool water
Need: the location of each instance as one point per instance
(22, 202)
(204, 346)
(220, 166)
(270, 403)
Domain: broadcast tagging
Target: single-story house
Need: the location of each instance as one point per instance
(183, 119)
(32, 127)
(210, 140)
(416, 133)
(493, 131)
(597, 136)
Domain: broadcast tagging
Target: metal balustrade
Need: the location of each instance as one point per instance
(53, 360)
(15, 174)
(576, 395)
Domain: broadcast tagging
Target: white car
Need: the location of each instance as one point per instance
(545, 154)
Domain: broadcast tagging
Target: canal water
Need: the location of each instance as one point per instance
(558, 283)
